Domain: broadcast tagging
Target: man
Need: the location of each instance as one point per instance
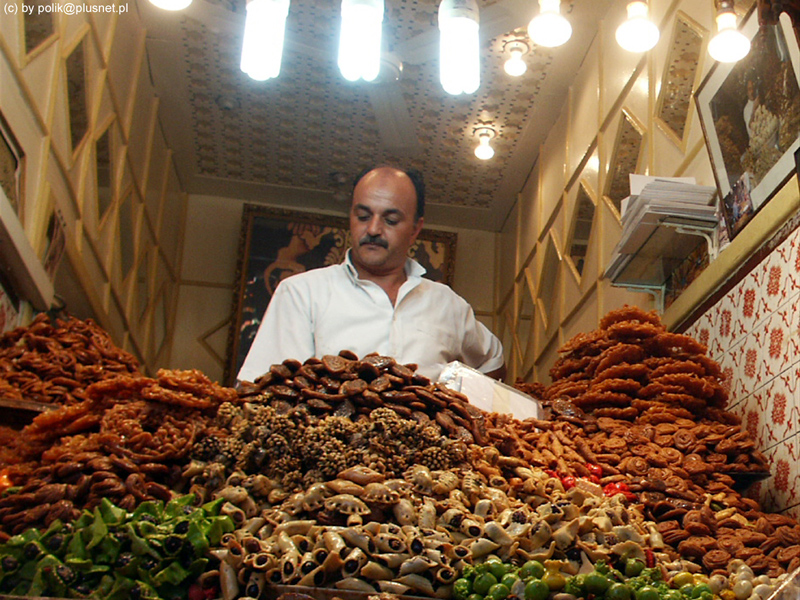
(376, 300)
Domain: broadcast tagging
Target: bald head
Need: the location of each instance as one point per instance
(413, 175)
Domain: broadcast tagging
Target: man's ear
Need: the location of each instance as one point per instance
(417, 229)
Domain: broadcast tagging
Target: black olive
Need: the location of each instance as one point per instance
(186, 556)
(124, 559)
(135, 593)
(252, 590)
(149, 563)
(182, 527)
(122, 537)
(54, 543)
(66, 574)
(172, 544)
(31, 550)
(574, 554)
(9, 564)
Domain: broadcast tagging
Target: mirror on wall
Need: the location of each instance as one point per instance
(525, 312)
(159, 332)
(628, 146)
(127, 233)
(76, 93)
(143, 283)
(11, 171)
(681, 73)
(580, 228)
(546, 292)
(103, 173)
(38, 23)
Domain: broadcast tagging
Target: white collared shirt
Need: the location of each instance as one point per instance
(329, 309)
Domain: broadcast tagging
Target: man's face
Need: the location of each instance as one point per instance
(383, 222)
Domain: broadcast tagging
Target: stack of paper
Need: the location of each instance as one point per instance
(650, 214)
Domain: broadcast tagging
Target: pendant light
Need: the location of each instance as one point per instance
(730, 44)
(638, 33)
(459, 46)
(264, 28)
(515, 65)
(360, 39)
(171, 4)
(549, 28)
(484, 150)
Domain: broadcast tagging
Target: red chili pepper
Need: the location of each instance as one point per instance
(211, 592)
(594, 479)
(611, 489)
(568, 481)
(650, 558)
(595, 469)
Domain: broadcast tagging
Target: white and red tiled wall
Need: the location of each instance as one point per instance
(753, 332)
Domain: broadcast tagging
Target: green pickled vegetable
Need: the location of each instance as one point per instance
(149, 554)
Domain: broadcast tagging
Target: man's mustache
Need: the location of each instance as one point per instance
(373, 239)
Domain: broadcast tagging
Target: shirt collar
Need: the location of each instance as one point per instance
(414, 270)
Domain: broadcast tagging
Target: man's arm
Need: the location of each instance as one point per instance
(286, 331)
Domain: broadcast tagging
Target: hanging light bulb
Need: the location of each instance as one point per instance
(484, 150)
(264, 28)
(730, 44)
(459, 46)
(515, 65)
(638, 33)
(360, 40)
(549, 28)
(171, 4)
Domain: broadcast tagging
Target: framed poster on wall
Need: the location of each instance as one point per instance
(275, 244)
(750, 113)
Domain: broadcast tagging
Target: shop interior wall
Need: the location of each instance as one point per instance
(83, 111)
(208, 280)
(752, 332)
(549, 298)
(545, 301)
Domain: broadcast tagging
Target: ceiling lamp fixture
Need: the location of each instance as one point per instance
(730, 44)
(360, 39)
(264, 28)
(549, 28)
(171, 4)
(459, 46)
(637, 33)
(484, 150)
(515, 65)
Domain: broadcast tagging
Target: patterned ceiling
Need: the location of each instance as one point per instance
(301, 137)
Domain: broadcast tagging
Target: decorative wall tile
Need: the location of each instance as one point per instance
(754, 333)
(780, 409)
(752, 411)
(791, 253)
(777, 345)
(747, 368)
(783, 488)
(731, 381)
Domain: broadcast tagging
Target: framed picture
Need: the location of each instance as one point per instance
(737, 207)
(750, 113)
(275, 244)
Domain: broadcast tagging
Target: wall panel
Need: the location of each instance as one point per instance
(66, 104)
